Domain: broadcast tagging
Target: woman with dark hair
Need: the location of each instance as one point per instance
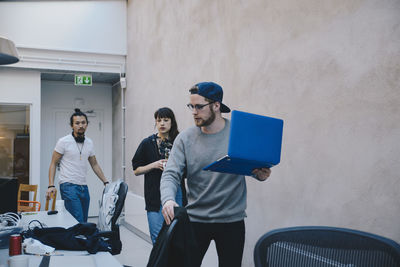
(150, 159)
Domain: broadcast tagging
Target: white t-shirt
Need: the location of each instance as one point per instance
(74, 162)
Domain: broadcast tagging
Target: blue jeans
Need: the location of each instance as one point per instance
(76, 200)
(156, 219)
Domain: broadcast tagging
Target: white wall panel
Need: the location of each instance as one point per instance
(23, 87)
(84, 26)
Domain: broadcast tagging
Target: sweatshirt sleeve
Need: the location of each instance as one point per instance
(172, 174)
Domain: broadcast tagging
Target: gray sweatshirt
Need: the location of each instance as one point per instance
(213, 197)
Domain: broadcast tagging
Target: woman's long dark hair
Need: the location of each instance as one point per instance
(168, 113)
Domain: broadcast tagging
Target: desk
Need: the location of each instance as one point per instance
(66, 257)
(100, 259)
(61, 219)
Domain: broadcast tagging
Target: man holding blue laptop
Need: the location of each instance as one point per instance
(216, 201)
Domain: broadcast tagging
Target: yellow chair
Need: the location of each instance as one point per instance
(53, 205)
(27, 205)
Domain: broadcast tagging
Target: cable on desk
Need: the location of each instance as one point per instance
(42, 225)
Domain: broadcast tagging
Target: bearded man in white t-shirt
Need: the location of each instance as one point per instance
(72, 153)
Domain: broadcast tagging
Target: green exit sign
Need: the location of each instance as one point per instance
(83, 79)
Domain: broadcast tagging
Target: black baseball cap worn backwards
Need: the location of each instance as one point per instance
(214, 92)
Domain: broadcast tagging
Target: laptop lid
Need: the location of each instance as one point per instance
(255, 137)
(255, 141)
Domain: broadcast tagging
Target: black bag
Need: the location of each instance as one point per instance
(82, 236)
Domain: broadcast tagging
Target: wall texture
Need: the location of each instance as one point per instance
(330, 69)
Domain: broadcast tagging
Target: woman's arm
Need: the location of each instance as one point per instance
(159, 164)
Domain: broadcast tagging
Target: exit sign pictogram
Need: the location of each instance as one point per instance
(83, 79)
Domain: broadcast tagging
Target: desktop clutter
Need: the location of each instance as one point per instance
(11, 242)
(11, 237)
(40, 239)
(19, 242)
(25, 234)
(9, 225)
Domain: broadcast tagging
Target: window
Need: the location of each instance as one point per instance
(14, 142)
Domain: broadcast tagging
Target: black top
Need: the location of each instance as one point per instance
(147, 153)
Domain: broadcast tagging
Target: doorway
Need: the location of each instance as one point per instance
(58, 102)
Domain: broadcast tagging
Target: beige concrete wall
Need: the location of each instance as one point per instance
(330, 69)
(117, 161)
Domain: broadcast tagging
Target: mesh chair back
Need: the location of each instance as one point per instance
(311, 246)
(123, 190)
(112, 236)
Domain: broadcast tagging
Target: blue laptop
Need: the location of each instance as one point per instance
(255, 141)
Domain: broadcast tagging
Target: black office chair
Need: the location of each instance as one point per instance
(311, 246)
(176, 243)
(113, 237)
(159, 255)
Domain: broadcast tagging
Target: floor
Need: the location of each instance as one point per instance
(136, 251)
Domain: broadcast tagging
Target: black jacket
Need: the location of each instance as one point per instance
(82, 236)
(146, 153)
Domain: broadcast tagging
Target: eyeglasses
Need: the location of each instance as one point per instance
(198, 106)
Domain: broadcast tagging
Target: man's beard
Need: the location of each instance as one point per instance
(80, 138)
(207, 122)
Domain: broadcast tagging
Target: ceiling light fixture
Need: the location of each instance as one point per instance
(8, 52)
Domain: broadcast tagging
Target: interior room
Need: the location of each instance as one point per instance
(329, 70)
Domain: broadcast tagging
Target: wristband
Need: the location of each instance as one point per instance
(50, 186)
(105, 183)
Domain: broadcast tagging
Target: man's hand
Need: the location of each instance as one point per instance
(50, 191)
(261, 173)
(168, 211)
